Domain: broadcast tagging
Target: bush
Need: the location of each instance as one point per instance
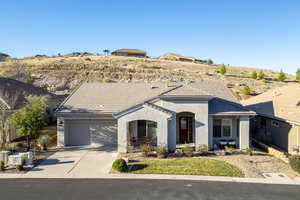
(2, 165)
(261, 75)
(188, 150)
(119, 165)
(246, 90)
(20, 168)
(203, 149)
(249, 152)
(254, 75)
(146, 149)
(230, 149)
(161, 151)
(210, 62)
(43, 141)
(295, 162)
(298, 75)
(222, 69)
(281, 76)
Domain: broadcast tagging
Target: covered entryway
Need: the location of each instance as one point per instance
(185, 128)
(94, 132)
(142, 132)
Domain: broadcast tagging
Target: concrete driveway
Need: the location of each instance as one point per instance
(75, 162)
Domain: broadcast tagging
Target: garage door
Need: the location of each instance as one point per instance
(96, 132)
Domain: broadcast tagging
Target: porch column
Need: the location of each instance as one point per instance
(244, 132)
(122, 135)
(162, 133)
(60, 132)
(210, 133)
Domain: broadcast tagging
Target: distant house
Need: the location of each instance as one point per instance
(13, 96)
(3, 56)
(178, 57)
(278, 117)
(130, 52)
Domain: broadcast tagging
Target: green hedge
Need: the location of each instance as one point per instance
(295, 162)
(119, 165)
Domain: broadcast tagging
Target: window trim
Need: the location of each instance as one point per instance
(231, 122)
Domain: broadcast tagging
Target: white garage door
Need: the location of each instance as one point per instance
(96, 132)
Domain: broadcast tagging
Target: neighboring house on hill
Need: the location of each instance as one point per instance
(278, 120)
(178, 57)
(129, 52)
(3, 56)
(124, 115)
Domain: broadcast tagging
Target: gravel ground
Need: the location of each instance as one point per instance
(254, 166)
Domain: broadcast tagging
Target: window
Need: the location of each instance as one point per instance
(222, 127)
(217, 128)
(146, 129)
(275, 124)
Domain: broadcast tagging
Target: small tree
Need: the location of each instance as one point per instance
(29, 120)
(261, 75)
(281, 76)
(298, 75)
(222, 69)
(210, 62)
(254, 75)
(246, 90)
(106, 52)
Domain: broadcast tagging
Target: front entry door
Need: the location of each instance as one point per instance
(186, 130)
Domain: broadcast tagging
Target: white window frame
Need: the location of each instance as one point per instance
(222, 119)
(275, 123)
(222, 136)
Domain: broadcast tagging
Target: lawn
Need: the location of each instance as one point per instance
(187, 166)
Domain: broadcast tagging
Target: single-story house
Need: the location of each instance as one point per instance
(123, 115)
(3, 56)
(130, 52)
(13, 96)
(278, 117)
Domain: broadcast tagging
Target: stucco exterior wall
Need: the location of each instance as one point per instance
(294, 139)
(199, 108)
(60, 132)
(144, 113)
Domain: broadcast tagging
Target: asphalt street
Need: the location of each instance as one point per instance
(100, 189)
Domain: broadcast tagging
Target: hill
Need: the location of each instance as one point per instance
(66, 72)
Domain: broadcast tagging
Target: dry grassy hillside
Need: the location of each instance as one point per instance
(63, 73)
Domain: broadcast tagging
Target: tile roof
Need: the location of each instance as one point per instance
(115, 97)
(282, 102)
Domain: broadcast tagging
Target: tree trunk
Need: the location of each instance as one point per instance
(28, 143)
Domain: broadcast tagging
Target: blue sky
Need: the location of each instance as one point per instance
(253, 33)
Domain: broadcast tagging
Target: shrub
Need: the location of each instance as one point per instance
(249, 152)
(210, 62)
(254, 75)
(246, 90)
(230, 149)
(261, 75)
(146, 149)
(294, 161)
(298, 75)
(281, 76)
(222, 69)
(43, 141)
(188, 150)
(20, 168)
(203, 149)
(119, 165)
(161, 151)
(2, 165)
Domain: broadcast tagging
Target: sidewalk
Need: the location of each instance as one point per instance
(160, 177)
